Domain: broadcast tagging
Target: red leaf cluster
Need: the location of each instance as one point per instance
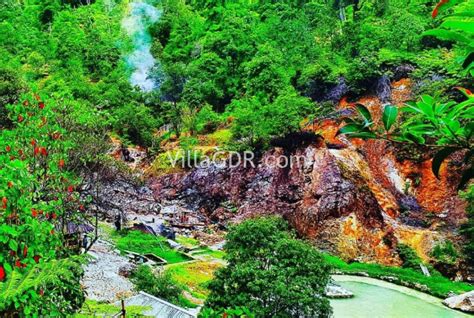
(435, 12)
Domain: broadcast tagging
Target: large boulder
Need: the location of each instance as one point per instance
(463, 302)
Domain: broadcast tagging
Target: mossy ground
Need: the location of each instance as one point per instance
(163, 163)
(187, 242)
(220, 137)
(194, 276)
(92, 308)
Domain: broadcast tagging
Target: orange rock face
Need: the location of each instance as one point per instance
(390, 179)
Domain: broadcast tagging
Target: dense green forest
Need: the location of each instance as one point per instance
(255, 62)
(68, 81)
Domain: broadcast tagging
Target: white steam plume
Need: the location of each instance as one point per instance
(136, 24)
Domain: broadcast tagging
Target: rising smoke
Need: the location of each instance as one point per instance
(141, 16)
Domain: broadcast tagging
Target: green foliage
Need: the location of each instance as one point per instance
(467, 229)
(256, 122)
(447, 126)
(409, 257)
(50, 288)
(270, 272)
(159, 285)
(436, 284)
(457, 27)
(11, 87)
(38, 199)
(238, 312)
(34, 206)
(445, 253)
(87, 130)
(207, 121)
(266, 75)
(389, 116)
(143, 243)
(135, 123)
(251, 60)
(261, 64)
(442, 122)
(73, 54)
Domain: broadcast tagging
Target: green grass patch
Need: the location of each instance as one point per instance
(92, 308)
(206, 251)
(163, 163)
(187, 242)
(106, 230)
(186, 303)
(437, 284)
(220, 137)
(194, 276)
(144, 243)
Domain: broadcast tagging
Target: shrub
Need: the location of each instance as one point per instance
(207, 120)
(270, 272)
(11, 86)
(409, 257)
(445, 253)
(135, 123)
(159, 285)
(37, 198)
(467, 229)
(257, 122)
(47, 289)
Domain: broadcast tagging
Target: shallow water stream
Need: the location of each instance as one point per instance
(379, 299)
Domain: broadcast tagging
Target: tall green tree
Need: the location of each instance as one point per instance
(270, 272)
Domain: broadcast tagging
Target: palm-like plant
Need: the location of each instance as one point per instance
(447, 127)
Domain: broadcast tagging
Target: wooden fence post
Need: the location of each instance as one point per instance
(124, 312)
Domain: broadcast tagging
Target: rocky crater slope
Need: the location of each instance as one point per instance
(355, 198)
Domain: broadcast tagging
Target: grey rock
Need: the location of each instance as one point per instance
(389, 278)
(463, 302)
(126, 270)
(336, 291)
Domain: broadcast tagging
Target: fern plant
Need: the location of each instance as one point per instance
(50, 288)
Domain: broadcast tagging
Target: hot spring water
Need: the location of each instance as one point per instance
(374, 299)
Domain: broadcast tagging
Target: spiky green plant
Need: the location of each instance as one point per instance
(47, 288)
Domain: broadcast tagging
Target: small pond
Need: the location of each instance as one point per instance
(378, 299)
